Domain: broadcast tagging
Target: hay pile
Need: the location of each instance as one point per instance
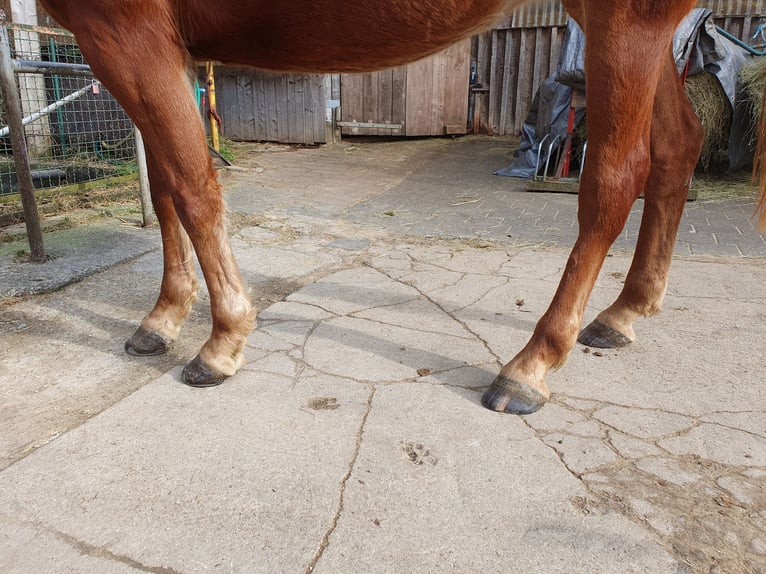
(753, 77)
(712, 108)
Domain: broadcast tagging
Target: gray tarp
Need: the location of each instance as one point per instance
(696, 40)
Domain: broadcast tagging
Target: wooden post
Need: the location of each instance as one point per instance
(19, 145)
(211, 101)
(143, 181)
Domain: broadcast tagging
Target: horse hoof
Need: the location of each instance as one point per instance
(197, 374)
(144, 343)
(507, 396)
(602, 337)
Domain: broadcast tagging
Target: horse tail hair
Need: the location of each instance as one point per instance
(759, 166)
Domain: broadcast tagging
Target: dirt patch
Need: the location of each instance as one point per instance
(323, 404)
(728, 186)
(124, 195)
(706, 528)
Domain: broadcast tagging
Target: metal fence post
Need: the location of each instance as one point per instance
(143, 180)
(19, 145)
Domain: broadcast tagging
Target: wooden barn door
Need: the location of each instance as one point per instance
(426, 98)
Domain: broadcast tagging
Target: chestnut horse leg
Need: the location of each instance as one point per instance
(627, 47)
(179, 282)
(142, 62)
(676, 140)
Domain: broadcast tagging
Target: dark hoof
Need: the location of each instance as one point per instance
(602, 337)
(507, 396)
(145, 343)
(197, 374)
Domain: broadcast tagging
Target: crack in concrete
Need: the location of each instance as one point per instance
(91, 550)
(325, 542)
(448, 314)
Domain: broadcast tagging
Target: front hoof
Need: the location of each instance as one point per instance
(197, 374)
(144, 343)
(507, 396)
(602, 337)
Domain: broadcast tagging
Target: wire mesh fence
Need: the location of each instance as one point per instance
(76, 132)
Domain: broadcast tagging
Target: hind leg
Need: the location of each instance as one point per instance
(676, 141)
(627, 51)
(143, 63)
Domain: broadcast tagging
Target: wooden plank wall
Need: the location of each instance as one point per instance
(743, 27)
(259, 106)
(428, 97)
(374, 98)
(511, 63)
(437, 93)
(545, 13)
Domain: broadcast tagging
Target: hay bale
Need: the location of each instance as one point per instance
(712, 107)
(753, 77)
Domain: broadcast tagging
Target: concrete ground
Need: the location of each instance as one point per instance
(393, 279)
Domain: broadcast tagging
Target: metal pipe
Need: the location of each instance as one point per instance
(739, 42)
(52, 47)
(30, 66)
(582, 160)
(53, 107)
(539, 149)
(550, 153)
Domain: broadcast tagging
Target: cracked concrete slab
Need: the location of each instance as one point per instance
(246, 480)
(353, 439)
(73, 255)
(440, 486)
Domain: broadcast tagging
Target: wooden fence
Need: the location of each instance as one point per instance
(517, 55)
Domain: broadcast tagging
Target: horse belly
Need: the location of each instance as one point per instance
(332, 35)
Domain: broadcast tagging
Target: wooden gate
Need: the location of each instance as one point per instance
(426, 98)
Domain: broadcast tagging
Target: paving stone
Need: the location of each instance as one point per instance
(720, 444)
(353, 290)
(418, 315)
(298, 468)
(371, 351)
(466, 291)
(747, 492)
(292, 311)
(28, 548)
(631, 447)
(643, 423)
(558, 418)
(662, 522)
(580, 454)
(668, 469)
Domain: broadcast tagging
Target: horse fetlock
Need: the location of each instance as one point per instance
(224, 354)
